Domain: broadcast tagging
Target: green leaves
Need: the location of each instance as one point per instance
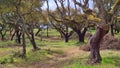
(93, 18)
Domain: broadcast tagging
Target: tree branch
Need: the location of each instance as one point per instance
(114, 7)
(57, 6)
(101, 8)
(58, 20)
(82, 5)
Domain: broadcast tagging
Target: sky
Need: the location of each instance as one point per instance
(52, 4)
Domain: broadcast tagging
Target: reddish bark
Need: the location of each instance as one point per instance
(95, 45)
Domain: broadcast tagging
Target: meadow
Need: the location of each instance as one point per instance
(54, 53)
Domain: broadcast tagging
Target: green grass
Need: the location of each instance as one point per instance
(110, 59)
(106, 63)
(51, 32)
(92, 31)
(113, 60)
(6, 43)
(14, 58)
(117, 35)
(10, 56)
(6, 59)
(49, 47)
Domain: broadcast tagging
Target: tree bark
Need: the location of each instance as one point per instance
(47, 31)
(112, 29)
(95, 45)
(80, 37)
(24, 25)
(83, 34)
(3, 35)
(18, 37)
(33, 41)
(38, 31)
(66, 38)
(13, 35)
(24, 45)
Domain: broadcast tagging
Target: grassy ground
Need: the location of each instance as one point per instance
(54, 53)
(110, 59)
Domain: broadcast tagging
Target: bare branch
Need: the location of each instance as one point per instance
(57, 6)
(68, 8)
(58, 20)
(82, 5)
(78, 3)
(85, 3)
(101, 8)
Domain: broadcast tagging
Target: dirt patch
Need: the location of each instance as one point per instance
(50, 38)
(11, 46)
(59, 61)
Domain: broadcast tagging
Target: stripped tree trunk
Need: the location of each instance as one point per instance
(106, 17)
(95, 45)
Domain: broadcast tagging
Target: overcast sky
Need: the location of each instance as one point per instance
(53, 6)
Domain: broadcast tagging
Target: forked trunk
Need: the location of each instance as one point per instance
(81, 35)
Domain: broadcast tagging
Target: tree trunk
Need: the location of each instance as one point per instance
(112, 29)
(80, 38)
(47, 31)
(13, 35)
(66, 38)
(33, 41)
(2, 35)
(24, 45)
(18, 35)
(83, 35)
(61, 35)
(95, 45)
(19, 38)
(38, 31)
